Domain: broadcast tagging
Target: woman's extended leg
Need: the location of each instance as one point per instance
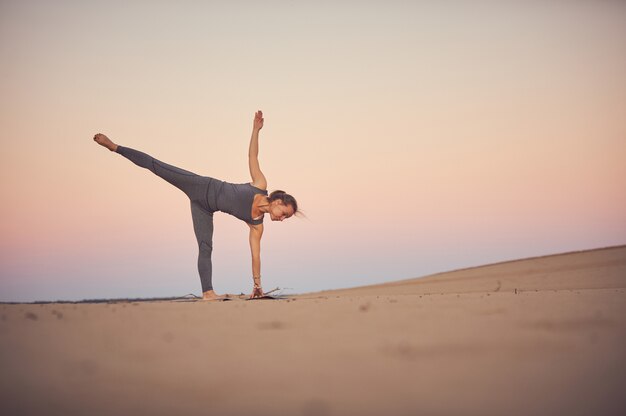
(191, 184)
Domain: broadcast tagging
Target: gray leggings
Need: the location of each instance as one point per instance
(199, 189)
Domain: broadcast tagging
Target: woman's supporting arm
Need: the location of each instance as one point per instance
(256, 232)
(258, 179)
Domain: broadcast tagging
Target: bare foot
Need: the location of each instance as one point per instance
(211, 295)
(103, 140)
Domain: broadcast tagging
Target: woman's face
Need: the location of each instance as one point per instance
(279, 211)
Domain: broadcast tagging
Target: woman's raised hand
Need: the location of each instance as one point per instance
(258, 120)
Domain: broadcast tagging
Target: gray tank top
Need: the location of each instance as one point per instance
(236, 199)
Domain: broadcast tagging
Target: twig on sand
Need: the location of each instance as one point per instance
(243, 295)
(273, 290)
(189, 296)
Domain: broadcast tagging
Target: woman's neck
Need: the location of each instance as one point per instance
(262, 205)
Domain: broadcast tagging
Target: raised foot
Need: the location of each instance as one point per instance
(103, 140)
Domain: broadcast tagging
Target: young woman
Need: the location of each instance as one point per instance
(247, 201)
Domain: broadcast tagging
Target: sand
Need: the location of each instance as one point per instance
(541, 336)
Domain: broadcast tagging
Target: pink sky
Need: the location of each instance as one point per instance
(417, 138)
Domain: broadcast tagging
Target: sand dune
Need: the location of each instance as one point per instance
(593, 269)
(538, 336)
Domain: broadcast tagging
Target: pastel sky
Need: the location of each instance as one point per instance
(417, 137)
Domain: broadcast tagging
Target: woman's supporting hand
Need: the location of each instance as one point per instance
(258, 120)
(257, 292)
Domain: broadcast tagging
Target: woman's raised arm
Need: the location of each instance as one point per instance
(258, 179)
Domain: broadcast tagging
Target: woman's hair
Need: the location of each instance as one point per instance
(285, 198)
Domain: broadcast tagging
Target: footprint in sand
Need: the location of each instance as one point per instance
(30, 315)
(271, 325)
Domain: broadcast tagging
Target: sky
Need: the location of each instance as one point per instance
(417, 137)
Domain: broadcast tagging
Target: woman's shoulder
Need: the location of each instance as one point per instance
(260, 187)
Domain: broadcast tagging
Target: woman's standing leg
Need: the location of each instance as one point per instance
(196, 188)
(203, 227)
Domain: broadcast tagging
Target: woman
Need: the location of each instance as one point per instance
(247, 201)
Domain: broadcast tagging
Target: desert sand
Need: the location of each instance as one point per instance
(540, 336)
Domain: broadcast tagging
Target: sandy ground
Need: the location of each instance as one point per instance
(542, 336)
